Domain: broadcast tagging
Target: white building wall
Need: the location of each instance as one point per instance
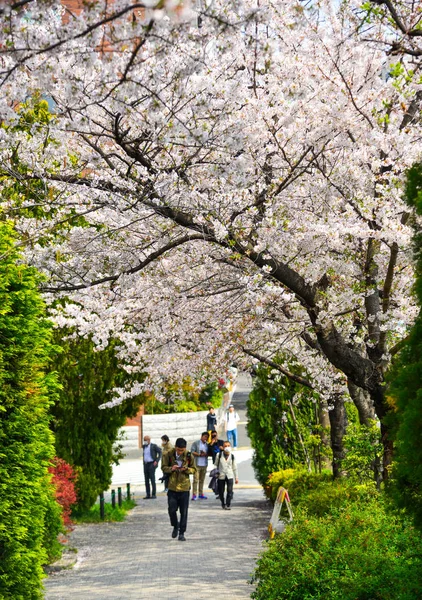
(185, 425)
(130, 435)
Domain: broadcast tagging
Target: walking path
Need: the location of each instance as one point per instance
(138, 559)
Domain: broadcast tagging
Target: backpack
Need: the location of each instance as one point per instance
(227, 415)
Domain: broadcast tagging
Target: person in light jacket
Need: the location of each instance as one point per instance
(199, 451)
(227, 467)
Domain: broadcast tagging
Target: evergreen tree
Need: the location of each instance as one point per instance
(86, 435)
(406, 384)
(29, 515)
(272, 431)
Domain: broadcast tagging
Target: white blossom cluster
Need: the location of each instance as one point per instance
(217, 189)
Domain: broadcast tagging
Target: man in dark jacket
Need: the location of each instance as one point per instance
(215, 446)
(152, 455)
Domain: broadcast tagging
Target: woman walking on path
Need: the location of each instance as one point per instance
(227, 467)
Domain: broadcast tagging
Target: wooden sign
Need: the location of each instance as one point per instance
(275, 524)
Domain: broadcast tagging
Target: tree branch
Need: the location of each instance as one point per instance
(153, 256)
(274, 365)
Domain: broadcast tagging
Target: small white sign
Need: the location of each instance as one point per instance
(282, 496)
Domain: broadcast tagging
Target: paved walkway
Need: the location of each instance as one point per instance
(138, 559)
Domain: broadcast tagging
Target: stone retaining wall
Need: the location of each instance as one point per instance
(186, 425)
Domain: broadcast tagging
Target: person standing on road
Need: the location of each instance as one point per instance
(231, 421)
(211, 420)
(179, 464)
(227, 467)
(215, 446)
(166, 445)
(152, 455)
(199, 450)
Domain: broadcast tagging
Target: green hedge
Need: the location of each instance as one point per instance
(358, 551)
(318, 492)
(271, 428)
(405, 383)
(29, 516)
(85, 435)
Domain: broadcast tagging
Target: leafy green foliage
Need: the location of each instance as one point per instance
(405, 389)
(363, 450)
(357, 551)
(271, 429)
(85, 435)
(30, 197)
(29, 516)
(318, 492)
(53, 526)
(183, 397)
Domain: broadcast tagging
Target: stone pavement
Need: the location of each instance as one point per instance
(138, 559)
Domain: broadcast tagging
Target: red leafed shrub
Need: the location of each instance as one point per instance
(63, 479)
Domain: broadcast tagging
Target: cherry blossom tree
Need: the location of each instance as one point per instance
(224, 188)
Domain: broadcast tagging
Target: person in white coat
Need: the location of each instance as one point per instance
(228, 475)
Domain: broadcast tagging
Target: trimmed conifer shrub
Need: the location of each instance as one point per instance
(406, 385)
(29, 516)
(86, 436)
(272, 431)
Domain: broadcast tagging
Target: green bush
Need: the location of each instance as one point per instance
(86, 436)
(405, 384)
(363, 450)
(183, 397)
(29, 518)
(53, 526)
(358, 552)
(318, 492)
(271, 428)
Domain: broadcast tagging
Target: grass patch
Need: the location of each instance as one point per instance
(111, 514)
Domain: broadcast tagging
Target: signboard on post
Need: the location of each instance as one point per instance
(275, 525)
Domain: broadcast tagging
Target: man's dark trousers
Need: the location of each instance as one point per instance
(221, 487)
(178, 500)
(149, 474)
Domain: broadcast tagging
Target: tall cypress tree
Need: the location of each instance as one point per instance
(85, 434)
(406, 384)
(273, 433)
(27, 508)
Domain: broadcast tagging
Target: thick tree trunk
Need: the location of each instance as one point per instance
(387, 457)
(324, 421)
(338, 422)
(363, 403)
